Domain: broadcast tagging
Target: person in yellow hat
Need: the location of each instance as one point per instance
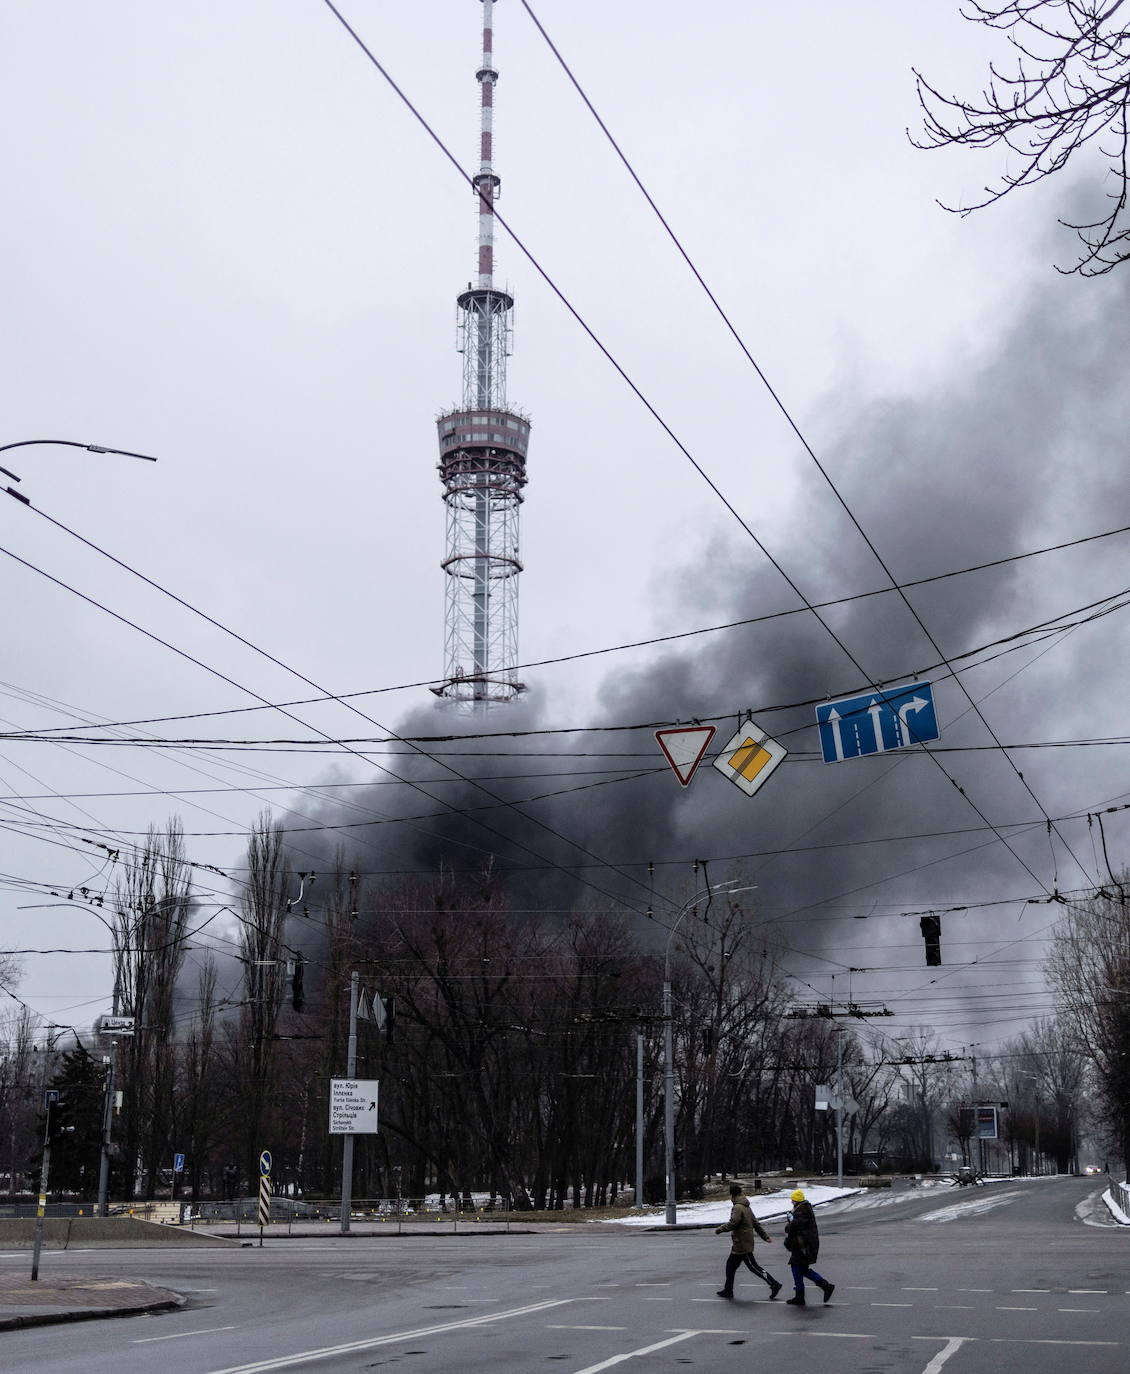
(802, 1240)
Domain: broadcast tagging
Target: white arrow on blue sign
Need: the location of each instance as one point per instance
(877, 722)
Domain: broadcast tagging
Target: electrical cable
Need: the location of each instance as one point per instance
(794, 426)
(634, 644)
(518, 844)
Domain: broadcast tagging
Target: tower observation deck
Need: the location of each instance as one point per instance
(482, 464)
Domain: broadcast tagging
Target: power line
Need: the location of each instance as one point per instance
(635, 644)
(794, 426)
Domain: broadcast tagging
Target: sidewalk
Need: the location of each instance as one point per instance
(54, 1299)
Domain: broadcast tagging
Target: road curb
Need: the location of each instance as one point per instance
(172, 1303)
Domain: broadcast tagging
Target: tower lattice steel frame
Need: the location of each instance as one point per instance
(482, 465)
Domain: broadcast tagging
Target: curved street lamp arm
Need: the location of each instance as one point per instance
(70, 443)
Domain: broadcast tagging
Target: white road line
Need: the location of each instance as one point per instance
(575, 1326)
(952, 1346)
(974, 1290)
(350, 1347)
(956, 1307)
(657, 1299)
(180, 1335)
(892, 1304)
(1029, 1290)
(1016, 1309)
(1077, 1309)
(1087, 1290)
(1023, 1340)
(643, 1350)
(665, 1284)
(919, 1290)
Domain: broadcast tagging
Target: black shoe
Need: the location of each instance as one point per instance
(829, 1289)
(774, 1288)
(797, 1301)
(723, 1294)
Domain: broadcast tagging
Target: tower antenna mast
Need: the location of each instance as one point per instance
(482, 463)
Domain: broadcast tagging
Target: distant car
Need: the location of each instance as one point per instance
(1092, 1169)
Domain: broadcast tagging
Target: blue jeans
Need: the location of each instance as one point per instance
(802, 1272)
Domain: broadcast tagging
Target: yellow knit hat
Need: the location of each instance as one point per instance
(796, 1195)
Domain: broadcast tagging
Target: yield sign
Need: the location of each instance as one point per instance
(684, 746)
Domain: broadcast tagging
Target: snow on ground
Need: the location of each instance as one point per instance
(1115, 1210)
(766, 1206)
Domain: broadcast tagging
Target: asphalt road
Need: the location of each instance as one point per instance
(986, 1281)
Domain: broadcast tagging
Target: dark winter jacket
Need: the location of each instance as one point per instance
(802, 1236)
(742, 1226)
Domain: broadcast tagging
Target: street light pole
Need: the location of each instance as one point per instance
(669, 1045)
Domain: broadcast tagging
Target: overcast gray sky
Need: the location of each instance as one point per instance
(229, 245)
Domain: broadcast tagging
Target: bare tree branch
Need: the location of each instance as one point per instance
(1069, 88)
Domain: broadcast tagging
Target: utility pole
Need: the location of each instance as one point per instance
(839, 1108)
(51, 1096)
(668, 1103)
(639, 1120)
(350, 1071)
(107, 1126)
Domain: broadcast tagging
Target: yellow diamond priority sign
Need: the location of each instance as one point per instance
(749, 758)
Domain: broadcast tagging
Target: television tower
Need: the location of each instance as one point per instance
(482, 465)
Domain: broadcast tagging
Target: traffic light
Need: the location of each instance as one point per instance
(931, 928)
(60, 1118)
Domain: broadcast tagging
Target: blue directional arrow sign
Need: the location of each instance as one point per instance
(877, 722)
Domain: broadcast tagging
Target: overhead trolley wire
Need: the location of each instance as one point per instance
(515, 843)
(687, 454)
(794, 426)
(632, 644)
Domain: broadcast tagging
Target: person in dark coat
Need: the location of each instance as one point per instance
(742, 1227)
(802, 1239)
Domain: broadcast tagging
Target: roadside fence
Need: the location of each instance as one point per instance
(399, 1215)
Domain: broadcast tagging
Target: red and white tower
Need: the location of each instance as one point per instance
(482, 464)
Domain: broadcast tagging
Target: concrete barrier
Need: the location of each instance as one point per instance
(59, 1233)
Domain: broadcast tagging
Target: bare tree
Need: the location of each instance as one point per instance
(151, 906)
(1089, 968)
(261, 946)
(1069, 89)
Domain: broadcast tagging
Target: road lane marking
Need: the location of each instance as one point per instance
(575, 1326)
(1087, 1290)
(1031, 1340)
(351, 1347)
(180, 1335)
(1016, 1309)
(1029, 1290)
(643, 1350)
(665, 1284)
(1077, 1309)
(952, 1346)
(918, 1290)
(892, 1304)
(974, 1290)
(956, 1307)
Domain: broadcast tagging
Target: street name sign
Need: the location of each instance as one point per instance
(115, 1025)
(877, 722)
(353, 1106)
(684, 747)
(750, 757)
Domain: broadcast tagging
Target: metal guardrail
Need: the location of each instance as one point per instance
(395, 1214)
(1121, 1194)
